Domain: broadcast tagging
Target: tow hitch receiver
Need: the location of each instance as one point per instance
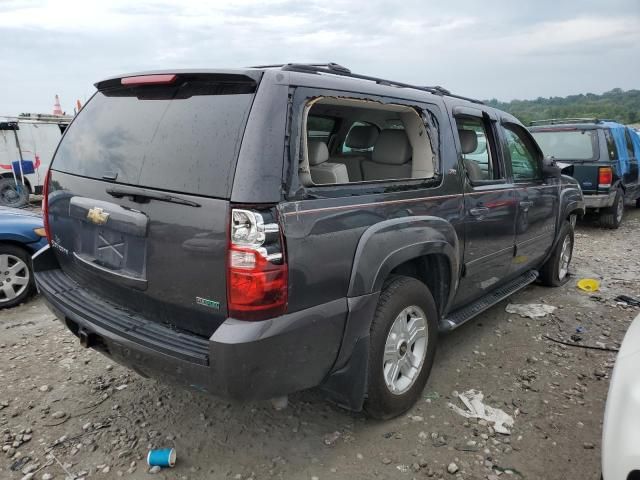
(87, 339)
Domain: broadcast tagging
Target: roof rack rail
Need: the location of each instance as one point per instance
(337, 69)
(280, 65)
(556, 121)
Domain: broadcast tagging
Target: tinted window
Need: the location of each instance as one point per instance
(166, 142)
(481, 164)
(320, 128)
(522, 153)
(629, 144)
(568, 144)
(611, 144)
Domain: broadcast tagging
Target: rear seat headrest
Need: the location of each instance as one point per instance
(318, 152)
(392, 147)
(361, 137)
(468, 140)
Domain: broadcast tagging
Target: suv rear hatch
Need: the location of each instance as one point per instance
(577, 148)
(139, 194)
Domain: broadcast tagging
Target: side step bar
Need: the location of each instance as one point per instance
(457, 318)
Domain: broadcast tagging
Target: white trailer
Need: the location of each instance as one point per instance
(27, 145)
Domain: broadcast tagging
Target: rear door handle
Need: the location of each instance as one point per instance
(477, 212)
(526, 204)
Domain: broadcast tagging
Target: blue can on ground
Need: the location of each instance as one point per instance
(164, 457)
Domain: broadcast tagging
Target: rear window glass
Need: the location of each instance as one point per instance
(183, 139)
(568, 144)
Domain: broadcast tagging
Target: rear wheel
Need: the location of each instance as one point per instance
(611, 217)
(403, 342)
(12, 193)
(556, 271)
(16, 276)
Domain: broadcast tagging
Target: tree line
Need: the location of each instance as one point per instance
(617, 104)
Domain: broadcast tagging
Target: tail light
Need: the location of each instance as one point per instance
(605, 177)
(45, 205)
(257, 276)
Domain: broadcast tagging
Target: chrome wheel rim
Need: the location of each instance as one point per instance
(405, 350)
(14, 277)
(565, 258)
(619, 209)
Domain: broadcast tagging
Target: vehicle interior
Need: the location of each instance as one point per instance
(353, 140)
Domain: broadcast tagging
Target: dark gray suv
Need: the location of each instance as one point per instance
(258, 232)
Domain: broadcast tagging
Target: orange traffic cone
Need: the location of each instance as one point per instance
(57, 109)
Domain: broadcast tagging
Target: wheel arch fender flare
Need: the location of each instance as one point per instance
(381, 248)
(388, 244)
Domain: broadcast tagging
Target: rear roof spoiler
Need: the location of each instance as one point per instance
(224, 75)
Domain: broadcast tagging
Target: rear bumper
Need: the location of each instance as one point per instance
(242, 360)
(599, 200)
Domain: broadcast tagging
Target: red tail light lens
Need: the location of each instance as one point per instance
(45, 205)
(605, 177)
(257, 276)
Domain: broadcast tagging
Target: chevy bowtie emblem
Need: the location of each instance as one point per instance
(97, 215)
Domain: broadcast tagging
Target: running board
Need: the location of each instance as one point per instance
(457, 318)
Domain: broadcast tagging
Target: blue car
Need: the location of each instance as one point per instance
(21, 235)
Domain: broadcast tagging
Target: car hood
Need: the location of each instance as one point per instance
(11, 213)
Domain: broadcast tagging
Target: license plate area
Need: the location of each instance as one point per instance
(110, 249)
(115, 243)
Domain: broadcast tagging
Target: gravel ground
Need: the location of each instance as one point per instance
(66, 411)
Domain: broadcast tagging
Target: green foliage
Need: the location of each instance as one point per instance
(617, 104)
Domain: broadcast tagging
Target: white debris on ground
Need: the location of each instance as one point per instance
(472, 399)
(530, 310)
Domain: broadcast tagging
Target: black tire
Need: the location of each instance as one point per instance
(397, 294)
(11, 252)
(611, 217)
(550, 273)
(12, 194)
(637, 202)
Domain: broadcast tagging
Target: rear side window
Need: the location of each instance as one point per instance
(629, 144)
(611, 144)
(481, 163)
(182, 138)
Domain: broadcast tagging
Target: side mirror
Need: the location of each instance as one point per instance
(550, 168)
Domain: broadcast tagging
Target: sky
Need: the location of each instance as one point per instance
(500, 49)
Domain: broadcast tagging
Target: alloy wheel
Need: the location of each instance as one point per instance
(405, 350)
(14, 277)
(565, 258)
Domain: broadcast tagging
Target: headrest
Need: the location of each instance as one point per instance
(361, 137)
(468, 140)
(392, 147)
(318, 152)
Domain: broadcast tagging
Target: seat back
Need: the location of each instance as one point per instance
(360, 138)
(468, 145)
(391, 157)
(323, 171)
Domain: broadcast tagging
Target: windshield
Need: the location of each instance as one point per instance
(568, 144)
(183, 140)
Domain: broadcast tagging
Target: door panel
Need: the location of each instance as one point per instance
(537, 200)
(489, 232)
(490, 209)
